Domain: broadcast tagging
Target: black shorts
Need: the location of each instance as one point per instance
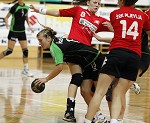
(144, 63)
(17, 35)
(92, 71)
(121, 63)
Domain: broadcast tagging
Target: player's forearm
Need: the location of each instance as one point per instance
(55, 72)
(45, 11)
(107, 40)
(53, 13)
(6, 21)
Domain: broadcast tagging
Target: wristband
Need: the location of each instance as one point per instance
(42, 11)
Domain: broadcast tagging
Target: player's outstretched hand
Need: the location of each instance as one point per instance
(34, 9)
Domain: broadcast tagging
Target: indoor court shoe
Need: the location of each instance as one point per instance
(136, 88)
(27, 73)
(99, 118)
(69, 117)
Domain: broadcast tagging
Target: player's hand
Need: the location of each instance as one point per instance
(34, 9)
(39, 81)
(108, 25)
(32, 30)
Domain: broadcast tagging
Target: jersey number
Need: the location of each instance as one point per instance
(132, 31)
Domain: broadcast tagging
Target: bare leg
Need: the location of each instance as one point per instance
(119, 100)
(11, 45)
(23, 45)
(101, 89)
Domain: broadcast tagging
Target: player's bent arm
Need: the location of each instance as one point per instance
(107, 40)
(55, 72)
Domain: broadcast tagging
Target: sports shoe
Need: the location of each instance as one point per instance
(27, 73)
(99, 118)
(69, 116)
(136, 88)
(69, 113)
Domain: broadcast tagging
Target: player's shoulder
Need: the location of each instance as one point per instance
(15, 5)
(100, 18)
(78, 7)
(116, 10)
(148, 12)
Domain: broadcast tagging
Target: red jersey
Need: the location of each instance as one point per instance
(148, 13)
(83, 23)
(128, 24)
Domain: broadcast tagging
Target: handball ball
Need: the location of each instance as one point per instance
(37, 88)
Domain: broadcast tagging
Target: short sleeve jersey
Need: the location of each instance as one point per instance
(83, 23)
(128, 24)
(65, 50)
(19, 14)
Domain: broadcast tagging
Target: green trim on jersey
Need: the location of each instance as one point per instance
(56, 53)
(22, 7)
(12, 23)
(93, 59)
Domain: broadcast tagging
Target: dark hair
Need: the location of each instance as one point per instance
(47, 32)
(79, 2)
(13, 2)
(129, 2)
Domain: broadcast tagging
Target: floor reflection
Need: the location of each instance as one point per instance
(18, 104)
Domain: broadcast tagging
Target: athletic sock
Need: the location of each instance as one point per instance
(120, 120)
(87, 121)
(113, 121)
(72, 99)
(26, 66)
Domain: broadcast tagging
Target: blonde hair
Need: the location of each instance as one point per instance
(47, 32)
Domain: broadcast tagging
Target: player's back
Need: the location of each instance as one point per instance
(128, 23)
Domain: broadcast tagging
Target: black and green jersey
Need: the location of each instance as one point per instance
(65, 50)
(145, 47)
(19, 14)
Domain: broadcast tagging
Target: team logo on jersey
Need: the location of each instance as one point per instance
(129, 15)
(96, 22)
(60, 41)
(86, 23)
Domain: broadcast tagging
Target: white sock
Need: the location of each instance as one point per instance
(120, 120)
(26, 66)
(72, 99)
(99, 114)
(87, 121)
(113, 121)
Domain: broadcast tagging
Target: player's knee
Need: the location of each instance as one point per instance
(7, 52)
(76, 79)
(85, 90)
(25, 53)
